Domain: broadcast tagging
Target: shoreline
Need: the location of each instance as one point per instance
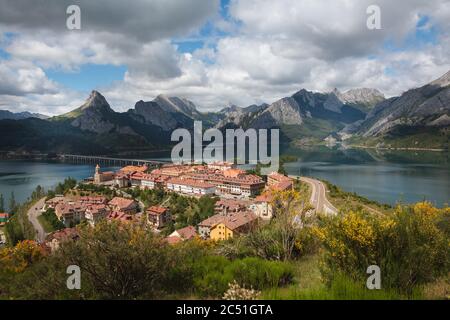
(397, 149)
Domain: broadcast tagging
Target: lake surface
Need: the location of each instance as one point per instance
(384, 176)
(22, 177)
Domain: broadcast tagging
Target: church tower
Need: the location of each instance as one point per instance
(97, 175)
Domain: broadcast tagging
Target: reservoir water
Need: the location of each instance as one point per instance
(384, 176)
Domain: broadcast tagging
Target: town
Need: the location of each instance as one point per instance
(242, 200)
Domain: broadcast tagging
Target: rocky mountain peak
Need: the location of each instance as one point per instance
(175, 104)
(361, 95)
(230, 108)
(96, 101)
(443, 81)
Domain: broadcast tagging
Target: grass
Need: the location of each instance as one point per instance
(310, 286)
(46, 224)
(351, 201)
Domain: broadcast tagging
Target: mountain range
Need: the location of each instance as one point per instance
(5, 114)
(419, 117)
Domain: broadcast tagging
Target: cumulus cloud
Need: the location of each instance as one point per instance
(260, 51)
(21, 77)
(145, 20)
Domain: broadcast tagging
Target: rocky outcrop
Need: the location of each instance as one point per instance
(425, 106)
(94, 115)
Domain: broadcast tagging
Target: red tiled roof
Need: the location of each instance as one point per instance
(69, 208)
(131, 169)
(122, 203)
(187, 233)
(190, 182)
(279, 177)
(247, 179)
(154, 177)
(237, 220)
(173, 240)
(119, 216)
(97, 209)
(265, 197)
(231, 204)
(212, 220)
(233, 173)
(64, 234)
(156, 210)
(281, 186)
(93, 199)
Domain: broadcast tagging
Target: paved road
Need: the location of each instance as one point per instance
(33, 214)
(319, 196)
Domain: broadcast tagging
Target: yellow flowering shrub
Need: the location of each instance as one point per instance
(357, 229)
(426, 208)
(19, 257)
(410, 245)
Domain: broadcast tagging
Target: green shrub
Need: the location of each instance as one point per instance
(214, 273)
(410, 246)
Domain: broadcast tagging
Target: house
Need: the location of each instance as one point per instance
(133, 169)
(136, 179)
(120, 217)
(186, 233)
(227, 206)
(234, 173)
(221, 165)
(128, 206)
(122, 180)
(4, 217)
(173, 240)
(95, 213)
(54, 240)
(173, 170)
(102, 177)
(233, 225)
(158, 216)
(153, 181)
(204, 227)
(235, 184)
(279, 181)
(70, 214)
(93, 200)
(51, 203)
(190, 186)
(262, 206)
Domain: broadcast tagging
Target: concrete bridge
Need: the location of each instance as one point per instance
(75, 158)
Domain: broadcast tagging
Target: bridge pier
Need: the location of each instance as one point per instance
(80, 159)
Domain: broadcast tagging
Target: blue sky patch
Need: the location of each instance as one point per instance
(88, 77)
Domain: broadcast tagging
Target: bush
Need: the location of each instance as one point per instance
(410, 246)
(53, 220)
(213, 274)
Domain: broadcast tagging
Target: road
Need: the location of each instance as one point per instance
(33, 214)
(319, 196)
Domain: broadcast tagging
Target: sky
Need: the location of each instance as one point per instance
(214, 52)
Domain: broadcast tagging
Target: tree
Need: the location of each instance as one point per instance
(119, 260)
(12, 203)
(288, 210)
(2, 203)
(38, 193)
